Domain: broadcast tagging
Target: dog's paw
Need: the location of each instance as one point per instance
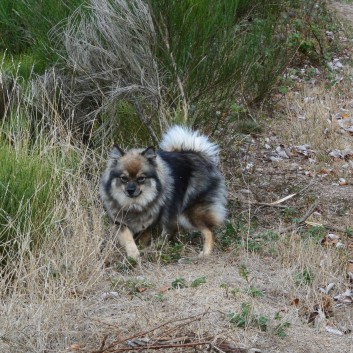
(204, 253)
(133, 254)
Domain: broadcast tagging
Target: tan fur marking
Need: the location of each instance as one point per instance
(204, 220)
(208, 242)
(126, 239)
(201, 216)
(133, 165)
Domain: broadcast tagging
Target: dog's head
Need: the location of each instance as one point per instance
(133, 179)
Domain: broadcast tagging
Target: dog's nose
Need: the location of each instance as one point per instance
(131, 188)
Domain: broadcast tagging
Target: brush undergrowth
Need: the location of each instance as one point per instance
(162, 61)
(32, 175)
(24, 27)
(29, 185)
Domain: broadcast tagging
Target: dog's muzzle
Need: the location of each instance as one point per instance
(132, 190)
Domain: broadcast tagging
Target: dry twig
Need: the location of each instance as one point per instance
(302, 219)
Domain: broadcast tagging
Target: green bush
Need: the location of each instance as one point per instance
(216, 50)
(25, 26)
(29, 185)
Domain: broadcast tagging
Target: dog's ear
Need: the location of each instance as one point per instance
(116, 152)
(149, 153)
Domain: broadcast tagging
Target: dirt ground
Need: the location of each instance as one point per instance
(344, 10)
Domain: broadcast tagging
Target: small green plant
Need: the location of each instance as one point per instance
(170, 253)
(160, 297)
(262, 322)
(249, 126)
(246, 318)
(198, 281)
(179, 283)
(289, 213)
(306, 277)
(280, 329)
(132, 285)
(228, 237)
(254, 245)
(242, 319)
(244, 272)
(317, 232)
(349, 232)
(255, 292)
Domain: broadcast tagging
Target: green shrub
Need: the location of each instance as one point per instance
(25, 26)
(215, 50)
(28, 189)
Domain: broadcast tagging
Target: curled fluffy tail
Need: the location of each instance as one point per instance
(181, 138)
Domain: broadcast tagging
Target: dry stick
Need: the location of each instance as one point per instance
(192, 319)
(302, 219)
(103, 342)
(160, 346)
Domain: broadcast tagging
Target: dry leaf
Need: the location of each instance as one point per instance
(350, 266)
(326, 303)
(76, 347)
(331, 240)
(327, 289)
(334, 331)
(109, 295)
(336, 154)
(227, 347)
(342, 182)
(344, 298)
(163, 289)
(295, 302)
(312, 316)
(346, 124)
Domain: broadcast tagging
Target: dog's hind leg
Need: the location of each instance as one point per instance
(126, 239)
(208, 242)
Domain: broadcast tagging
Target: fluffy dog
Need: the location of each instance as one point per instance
(178, 186)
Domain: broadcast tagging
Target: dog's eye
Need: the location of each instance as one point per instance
(124, 178)
(141, 180)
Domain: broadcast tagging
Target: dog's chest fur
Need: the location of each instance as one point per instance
(137, 221)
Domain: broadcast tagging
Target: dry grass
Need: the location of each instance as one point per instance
(311, 113)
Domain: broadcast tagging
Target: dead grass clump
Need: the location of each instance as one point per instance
(109, 52)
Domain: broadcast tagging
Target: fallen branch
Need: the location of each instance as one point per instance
(330, 227)
(142, 334)
(300, 220)
(159, 346)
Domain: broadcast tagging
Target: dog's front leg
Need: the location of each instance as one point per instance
(126, 239)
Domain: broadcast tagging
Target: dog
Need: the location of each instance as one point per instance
(178, 186)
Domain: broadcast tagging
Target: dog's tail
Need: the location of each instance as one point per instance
(181, 138)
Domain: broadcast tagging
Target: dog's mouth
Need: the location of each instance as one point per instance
(133, 195)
